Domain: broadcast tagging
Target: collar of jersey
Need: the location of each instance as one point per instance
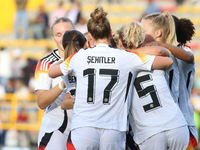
(102, 45)
(56, 54)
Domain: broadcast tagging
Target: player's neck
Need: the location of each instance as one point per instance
(101, 41)
(61, 53)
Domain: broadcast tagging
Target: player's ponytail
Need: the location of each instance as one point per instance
(171, 38)
(72, 42)
(98, 25)
(185, 30)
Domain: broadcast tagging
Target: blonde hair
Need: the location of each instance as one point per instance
(165, 23)
(98, 25)
(132, 35)
(86, 35)
(62, 19)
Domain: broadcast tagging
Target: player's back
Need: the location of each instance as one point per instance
(172, 77)
(153, 109)
(187, 73)
(107, 73)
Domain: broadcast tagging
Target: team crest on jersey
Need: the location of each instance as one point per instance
(43, 78)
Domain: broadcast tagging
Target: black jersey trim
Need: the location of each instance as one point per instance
(45, 140)
(64, 124)
(55, 54)
(52, 57)
(128, 84)
(188, 79)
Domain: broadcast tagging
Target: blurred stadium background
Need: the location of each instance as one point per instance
(119, 13)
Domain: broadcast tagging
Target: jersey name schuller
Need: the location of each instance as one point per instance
(100, 59)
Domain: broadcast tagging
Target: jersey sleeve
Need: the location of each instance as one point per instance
(42, 79)
(66, 67)
(188, 49)
(145, 61)
(170, 53)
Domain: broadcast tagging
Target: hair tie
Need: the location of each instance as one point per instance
(77, 42)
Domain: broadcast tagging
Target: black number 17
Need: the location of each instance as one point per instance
(91, 74)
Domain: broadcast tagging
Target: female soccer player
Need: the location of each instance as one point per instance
(154, 116)
(72, 42)
(50, 93)
(103, 80)
(185, 31)
(160, 27)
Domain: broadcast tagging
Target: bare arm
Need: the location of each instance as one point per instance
(55, 70)
(153, 50)
(178, 52)
(161, 62)
(46, 97)
(68, 102)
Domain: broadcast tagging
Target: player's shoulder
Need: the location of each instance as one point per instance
(48, 60)
(140, 55)
(52, 57)
(185, 47)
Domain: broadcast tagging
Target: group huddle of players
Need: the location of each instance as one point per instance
(134, 94)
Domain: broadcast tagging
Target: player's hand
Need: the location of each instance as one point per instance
(154, 43)
(63, 84)
(88, 44)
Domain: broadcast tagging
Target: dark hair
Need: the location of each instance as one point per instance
(98, 25)
(114, 40)
(72, 42)
(185, 29)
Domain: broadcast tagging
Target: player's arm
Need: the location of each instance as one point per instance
(153, 50)
(62, 68)
(178, 52)
(68, 102)
(46, 97)
(55, 70)
(161, 62)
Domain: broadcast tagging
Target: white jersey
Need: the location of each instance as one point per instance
(54, 116)
(70, 83)
(153, 109)
(187, 73)
(172, 77)
(103, 80)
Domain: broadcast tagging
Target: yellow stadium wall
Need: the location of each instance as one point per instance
(7, 13)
